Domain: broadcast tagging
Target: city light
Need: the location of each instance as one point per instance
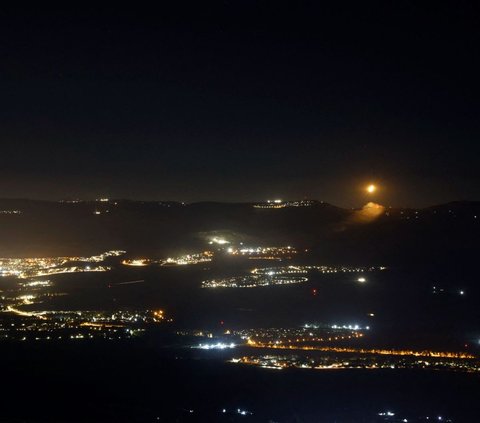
(136, 262)
(372, 351)
(219, 241)
(263, 253)
(24, 268)
(347, 361)
(186, 259)
(217, 346)
(282, 275)
(279, 204)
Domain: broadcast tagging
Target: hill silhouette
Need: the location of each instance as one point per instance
(372, 234)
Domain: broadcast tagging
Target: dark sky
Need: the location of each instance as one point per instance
(242, 100)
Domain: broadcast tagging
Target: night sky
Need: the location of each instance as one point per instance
(242, 100)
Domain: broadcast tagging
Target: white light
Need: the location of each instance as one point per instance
(217, 346)
(362, 280)
(220, 241)
(387, 413)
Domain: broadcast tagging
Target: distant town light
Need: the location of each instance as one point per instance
(220, 241)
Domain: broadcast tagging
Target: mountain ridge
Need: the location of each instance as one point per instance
(370, 234)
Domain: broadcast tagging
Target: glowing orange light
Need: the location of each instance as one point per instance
(371, 189)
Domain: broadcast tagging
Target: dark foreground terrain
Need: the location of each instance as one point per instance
(134, 382)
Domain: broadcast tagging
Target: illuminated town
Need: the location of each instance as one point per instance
(187, 259)
(286, 270)
(285, 275)
(279, 204)
(254, 281)
(24, 268)
(345, 361)
(68, 325)
(309, 334)
(253, 253)
(263, 253)
(25, 316)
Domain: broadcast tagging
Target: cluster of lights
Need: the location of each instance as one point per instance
(219, 241)
(263, 253)
(34, 267)
(338, 362)
(204, 257)
(279, 204)
(253, 281)
(136, 262)
(48, 325)
(217, 346)
(186, 259)
(350, 327)
(284, 275)
(291, 270)
(372, 351)
(320, 269)
(36, 284)
(20, 324)
(310, 333)
(302, 338)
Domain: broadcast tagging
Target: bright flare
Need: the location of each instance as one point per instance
(371, 189)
